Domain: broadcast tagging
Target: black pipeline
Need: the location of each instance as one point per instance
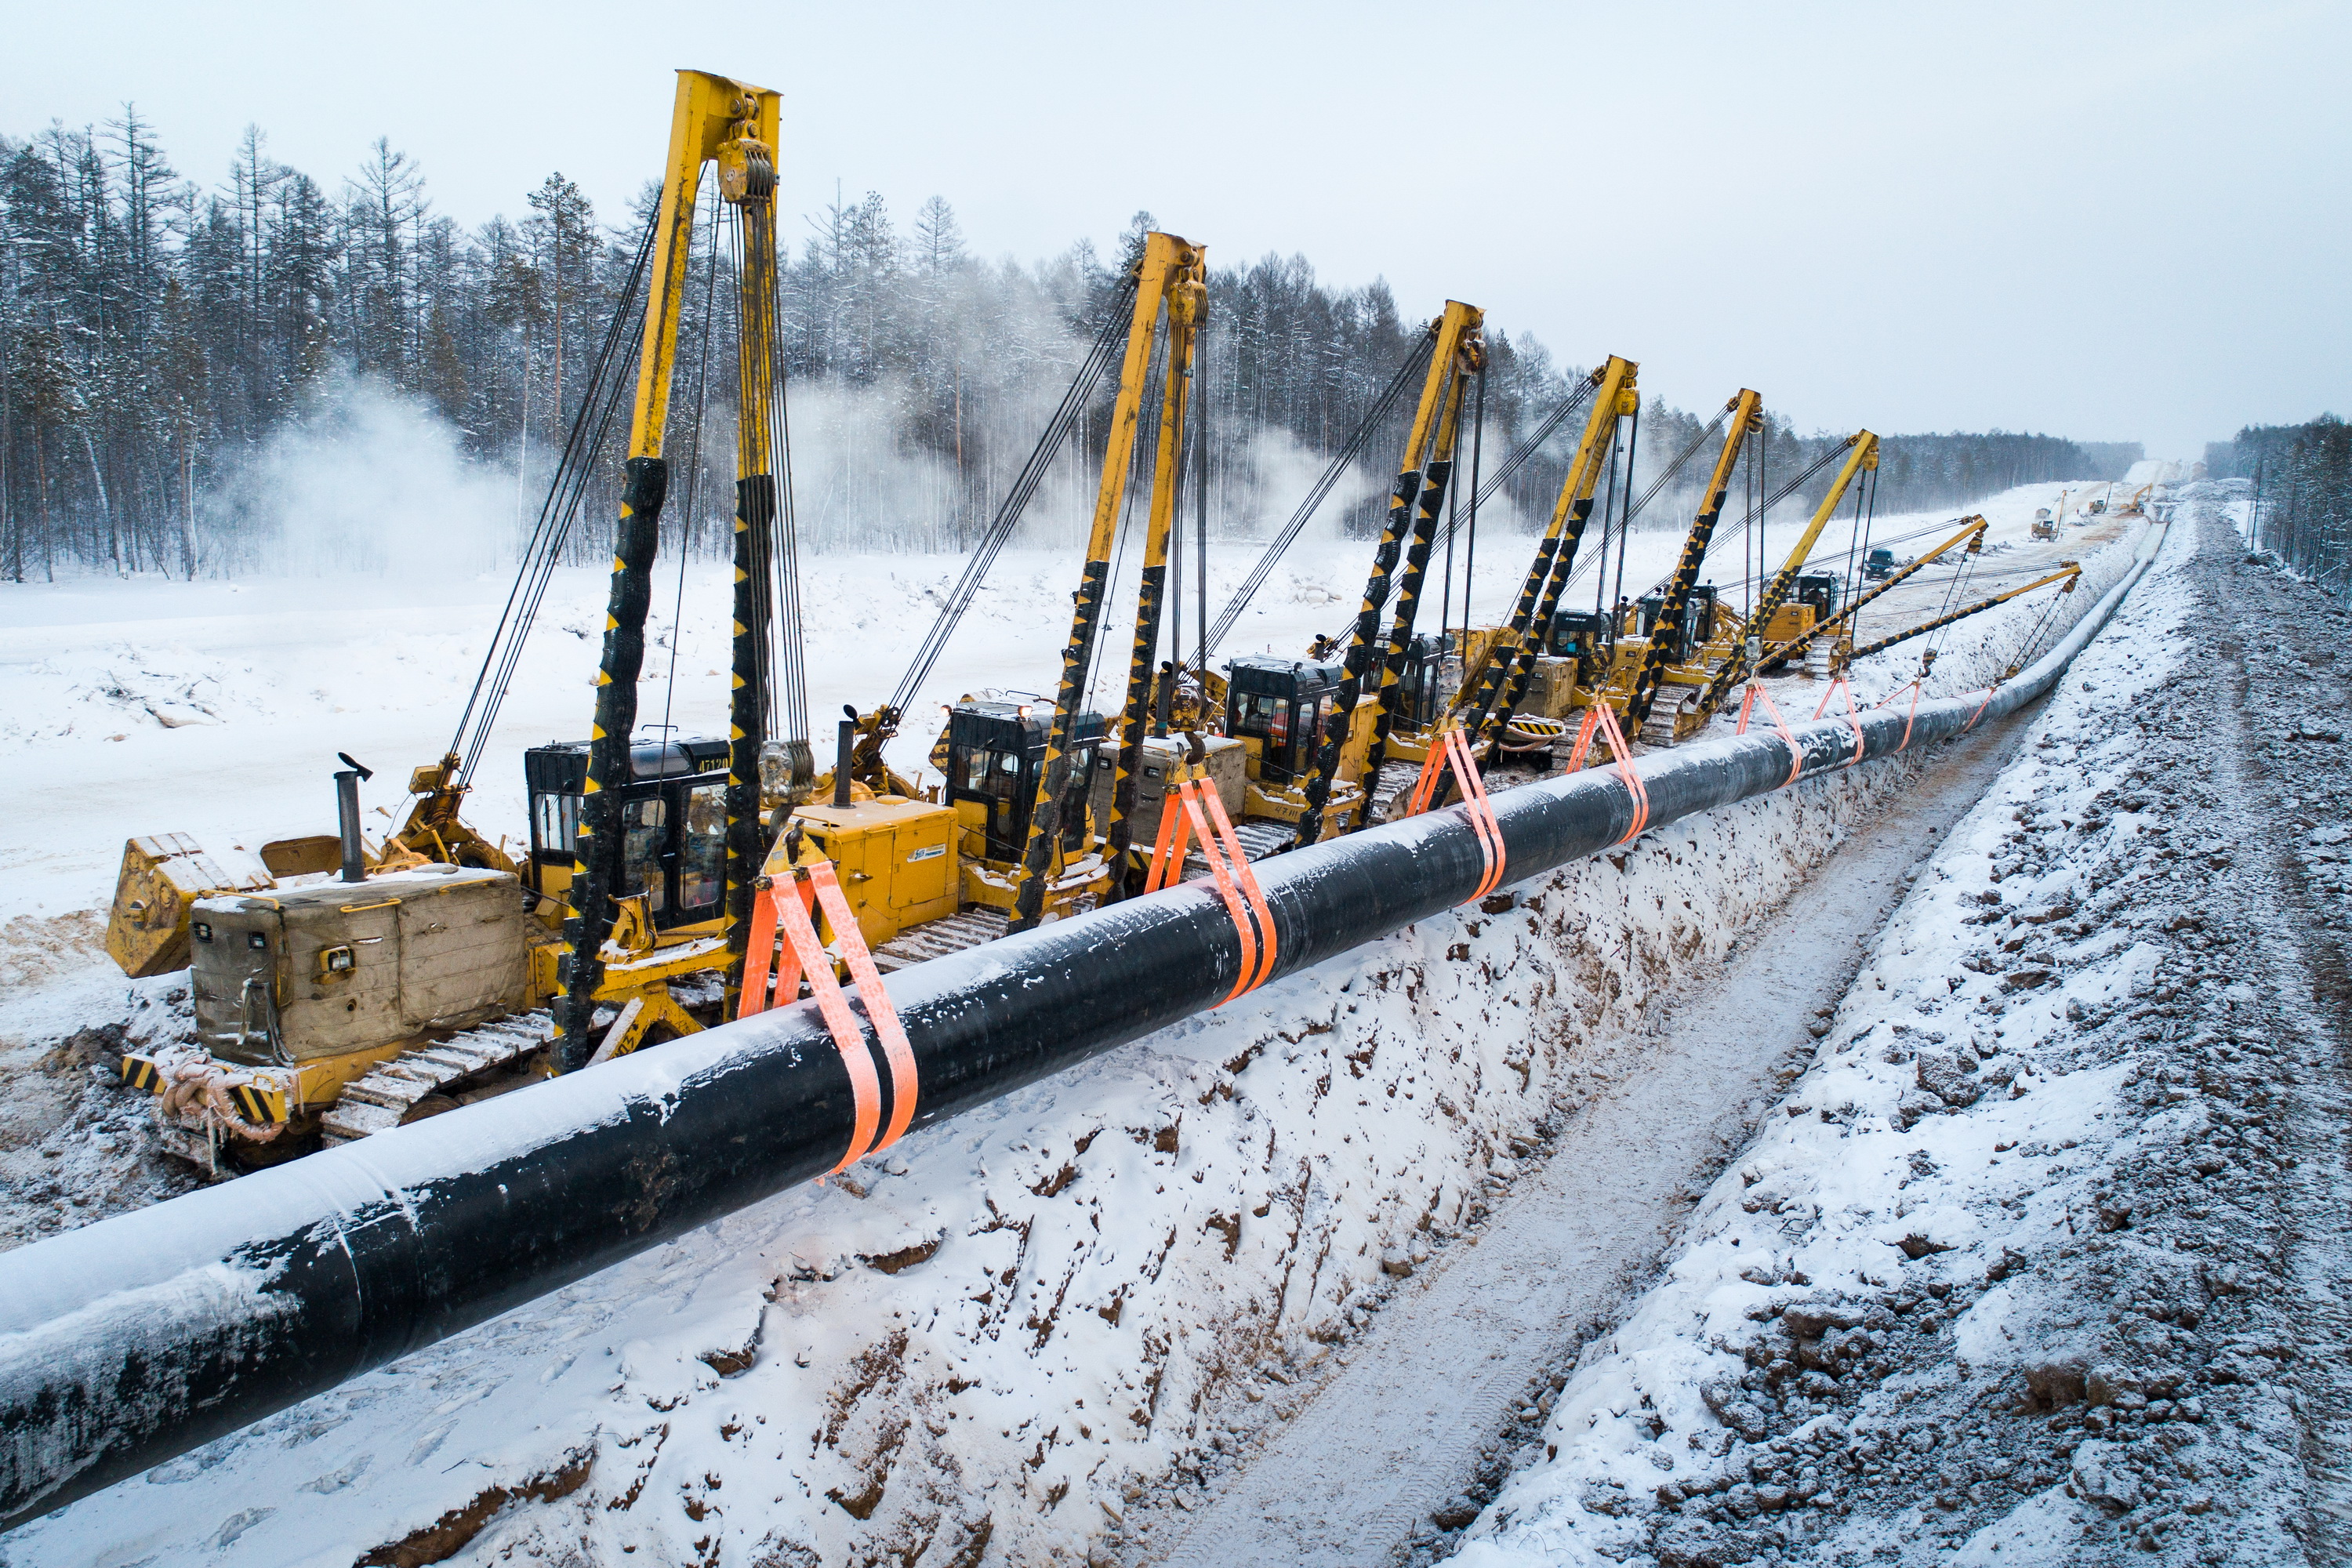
(136, 1338)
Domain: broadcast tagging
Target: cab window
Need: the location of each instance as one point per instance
(555, 822)
(702, 872)
(642, 824)
(991, 772)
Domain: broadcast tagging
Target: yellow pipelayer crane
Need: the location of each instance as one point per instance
(1348, 753)
(2069, 572)
(1029, 824)
(1174, 274)
(1774, 619)
(1837, 629)
(722, 123)
(331, 1009)
(1496, 685)
(1673, 640)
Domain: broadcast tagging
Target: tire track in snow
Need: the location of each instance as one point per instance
(2261, 703)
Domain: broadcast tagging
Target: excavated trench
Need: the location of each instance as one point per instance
(1467, 1143)
(1408, 1431)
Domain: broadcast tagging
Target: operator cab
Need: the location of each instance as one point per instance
(1583, 636)
(1697, 622)
(673, 824)
(1431, 669)
(994, 750)
(1823, 591)
(1284, 705)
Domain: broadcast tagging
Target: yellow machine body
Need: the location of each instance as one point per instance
(162, 876)
(896, 858)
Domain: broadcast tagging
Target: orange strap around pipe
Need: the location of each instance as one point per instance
(851, 939)
(1796, 752)
(1910, 718)
(1424, 787)
(1607, 717)
(1168, 853)
(1853, 717)
(1481, 810)
(1254, 973)
(785, 908)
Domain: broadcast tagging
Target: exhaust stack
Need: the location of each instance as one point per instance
(347, 816)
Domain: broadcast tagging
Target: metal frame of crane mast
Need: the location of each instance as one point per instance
(1171, 271)
(1502, 678)
(716, 120)
(1861, 457)
(1460, 352)
(1746, 411)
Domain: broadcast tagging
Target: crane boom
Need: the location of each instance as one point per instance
(1423, 475)
(715, 119)
(2070, 572)
(1502, 677)
(1862, 455)
(1747, 415)
(1171, 272)
(1971, 534)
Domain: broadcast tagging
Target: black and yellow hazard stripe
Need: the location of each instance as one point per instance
(139, 1073)
(259, 1102)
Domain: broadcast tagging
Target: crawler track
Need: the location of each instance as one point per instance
(391, 1093)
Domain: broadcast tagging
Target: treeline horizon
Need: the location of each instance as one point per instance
(2302, 494)
(161, 340)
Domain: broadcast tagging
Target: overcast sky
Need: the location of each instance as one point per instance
(2113, 222)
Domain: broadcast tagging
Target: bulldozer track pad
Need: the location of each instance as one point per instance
(938, 938)
(392, 1090)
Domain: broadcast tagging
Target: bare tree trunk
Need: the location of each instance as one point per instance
(105, 504)
(41, 487)
(188, 496)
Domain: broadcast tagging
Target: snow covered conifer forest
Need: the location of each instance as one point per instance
(2303, 493)
(199, 378)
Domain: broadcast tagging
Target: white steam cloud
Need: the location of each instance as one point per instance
(364, 480)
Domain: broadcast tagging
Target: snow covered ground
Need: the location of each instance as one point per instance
(981, 1350)
(1017, 1322)
(2044, 1261)
(215, 709)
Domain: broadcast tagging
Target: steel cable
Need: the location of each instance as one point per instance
(1415, 362)
(1108, 340)
(591, 427)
